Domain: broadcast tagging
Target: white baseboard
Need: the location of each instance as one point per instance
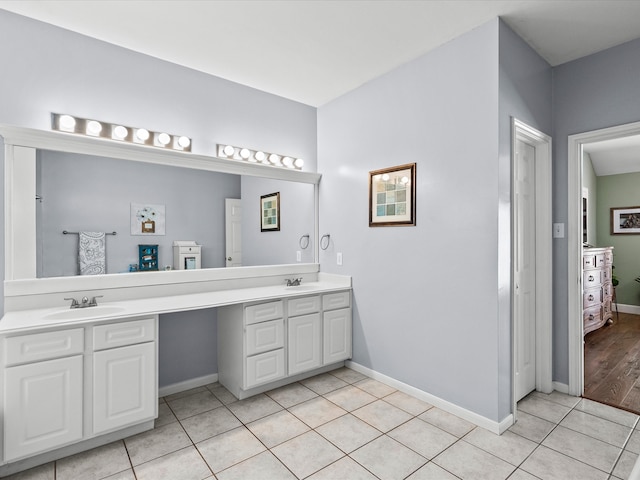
(622, 308)
(561, 387)
(479, 420)
(187, 385)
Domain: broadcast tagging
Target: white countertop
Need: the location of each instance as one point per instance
(23, 320)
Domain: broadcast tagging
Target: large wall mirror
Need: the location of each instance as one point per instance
(58, 182)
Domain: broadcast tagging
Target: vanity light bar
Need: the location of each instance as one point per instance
(121, 133)
(259, 156)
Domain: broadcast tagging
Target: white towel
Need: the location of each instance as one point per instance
(91, 253)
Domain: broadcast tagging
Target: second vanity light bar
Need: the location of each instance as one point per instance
(122, 133)
(258, 156)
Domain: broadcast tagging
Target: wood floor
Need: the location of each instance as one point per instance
(612, 363)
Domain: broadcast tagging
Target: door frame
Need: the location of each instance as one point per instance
(544, 255)
(574, 247)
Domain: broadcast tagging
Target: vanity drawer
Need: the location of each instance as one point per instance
(124, 333)
(43, 346)
(263, 312)
(303, 306)
(265, 336)
(332, 301)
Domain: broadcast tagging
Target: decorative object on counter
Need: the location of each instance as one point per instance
(625, 220)
(392, 196)
(91, 253)
(325, 240)
(147, 219)
(133, 267)
(270, 212)
(304, 241)
(259, 156)
(120, 133)
(187, 255)
(147, 258)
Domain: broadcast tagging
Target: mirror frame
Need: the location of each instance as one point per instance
(20, 145)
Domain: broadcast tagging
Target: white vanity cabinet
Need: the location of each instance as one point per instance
(43, 391)
(124, 374)
(253, 355)
(65, 386)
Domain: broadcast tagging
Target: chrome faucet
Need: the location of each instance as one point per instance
(294, 282)
(84, 303)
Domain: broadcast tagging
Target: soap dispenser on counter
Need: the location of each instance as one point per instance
(187, 255)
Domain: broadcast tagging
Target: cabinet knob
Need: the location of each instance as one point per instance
(591, 278)
(229, 258)
(591, 317)
(590, 297)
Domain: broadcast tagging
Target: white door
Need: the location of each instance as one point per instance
(43, 406)
(304, 343)
(233, 232)
(525, 268)
(124, 390)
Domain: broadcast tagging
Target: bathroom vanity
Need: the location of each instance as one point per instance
(74, 379)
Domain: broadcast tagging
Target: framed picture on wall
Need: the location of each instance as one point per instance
(625, 220)
(270, 212)
(392, 196)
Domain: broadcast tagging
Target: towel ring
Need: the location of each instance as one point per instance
(324, 245)
(304, 241)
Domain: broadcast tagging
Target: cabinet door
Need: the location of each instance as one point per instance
(124, 386)
(336, 336)
(43, 406)
(265, 367)
(304, 343)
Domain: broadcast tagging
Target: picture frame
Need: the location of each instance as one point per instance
(392, 196)
(625, 221)
(270, 212)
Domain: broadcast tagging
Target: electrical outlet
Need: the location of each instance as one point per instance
(339, 258)
(299, 256)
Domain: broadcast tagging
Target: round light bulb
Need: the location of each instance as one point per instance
(120, 132)
(405, 180)
(298, 162)
(184, 142)
(164, 138)
(259, 156)
(67, 122)
(245, 153)
(142, 134)
(287, 162)
(229, 151)
(275, 159)
(385, 177)
(93, 127)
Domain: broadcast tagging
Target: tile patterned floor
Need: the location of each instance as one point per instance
(342, 425)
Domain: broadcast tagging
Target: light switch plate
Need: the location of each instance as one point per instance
(558, 230)
(298, 256)
(339, 258)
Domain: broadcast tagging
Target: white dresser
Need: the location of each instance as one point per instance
(597, 287)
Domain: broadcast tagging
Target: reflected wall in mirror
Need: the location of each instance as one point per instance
(92, 193)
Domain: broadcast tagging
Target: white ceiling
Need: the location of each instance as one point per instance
(315, 51)
(612, 157)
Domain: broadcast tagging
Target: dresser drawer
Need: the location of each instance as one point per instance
(591, 297)
(588, 261)
(592, 316)
(43, 346)
(600, 260)
(263, 312)
(303, 306)
(591, 279)
(332, 301)
(265, 336)
(123, 333)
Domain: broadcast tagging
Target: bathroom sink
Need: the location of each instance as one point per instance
(88, 312)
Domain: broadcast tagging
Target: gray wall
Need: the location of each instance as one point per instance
(598, 91)
(425, 297)
(47, 69)
(82, 192)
